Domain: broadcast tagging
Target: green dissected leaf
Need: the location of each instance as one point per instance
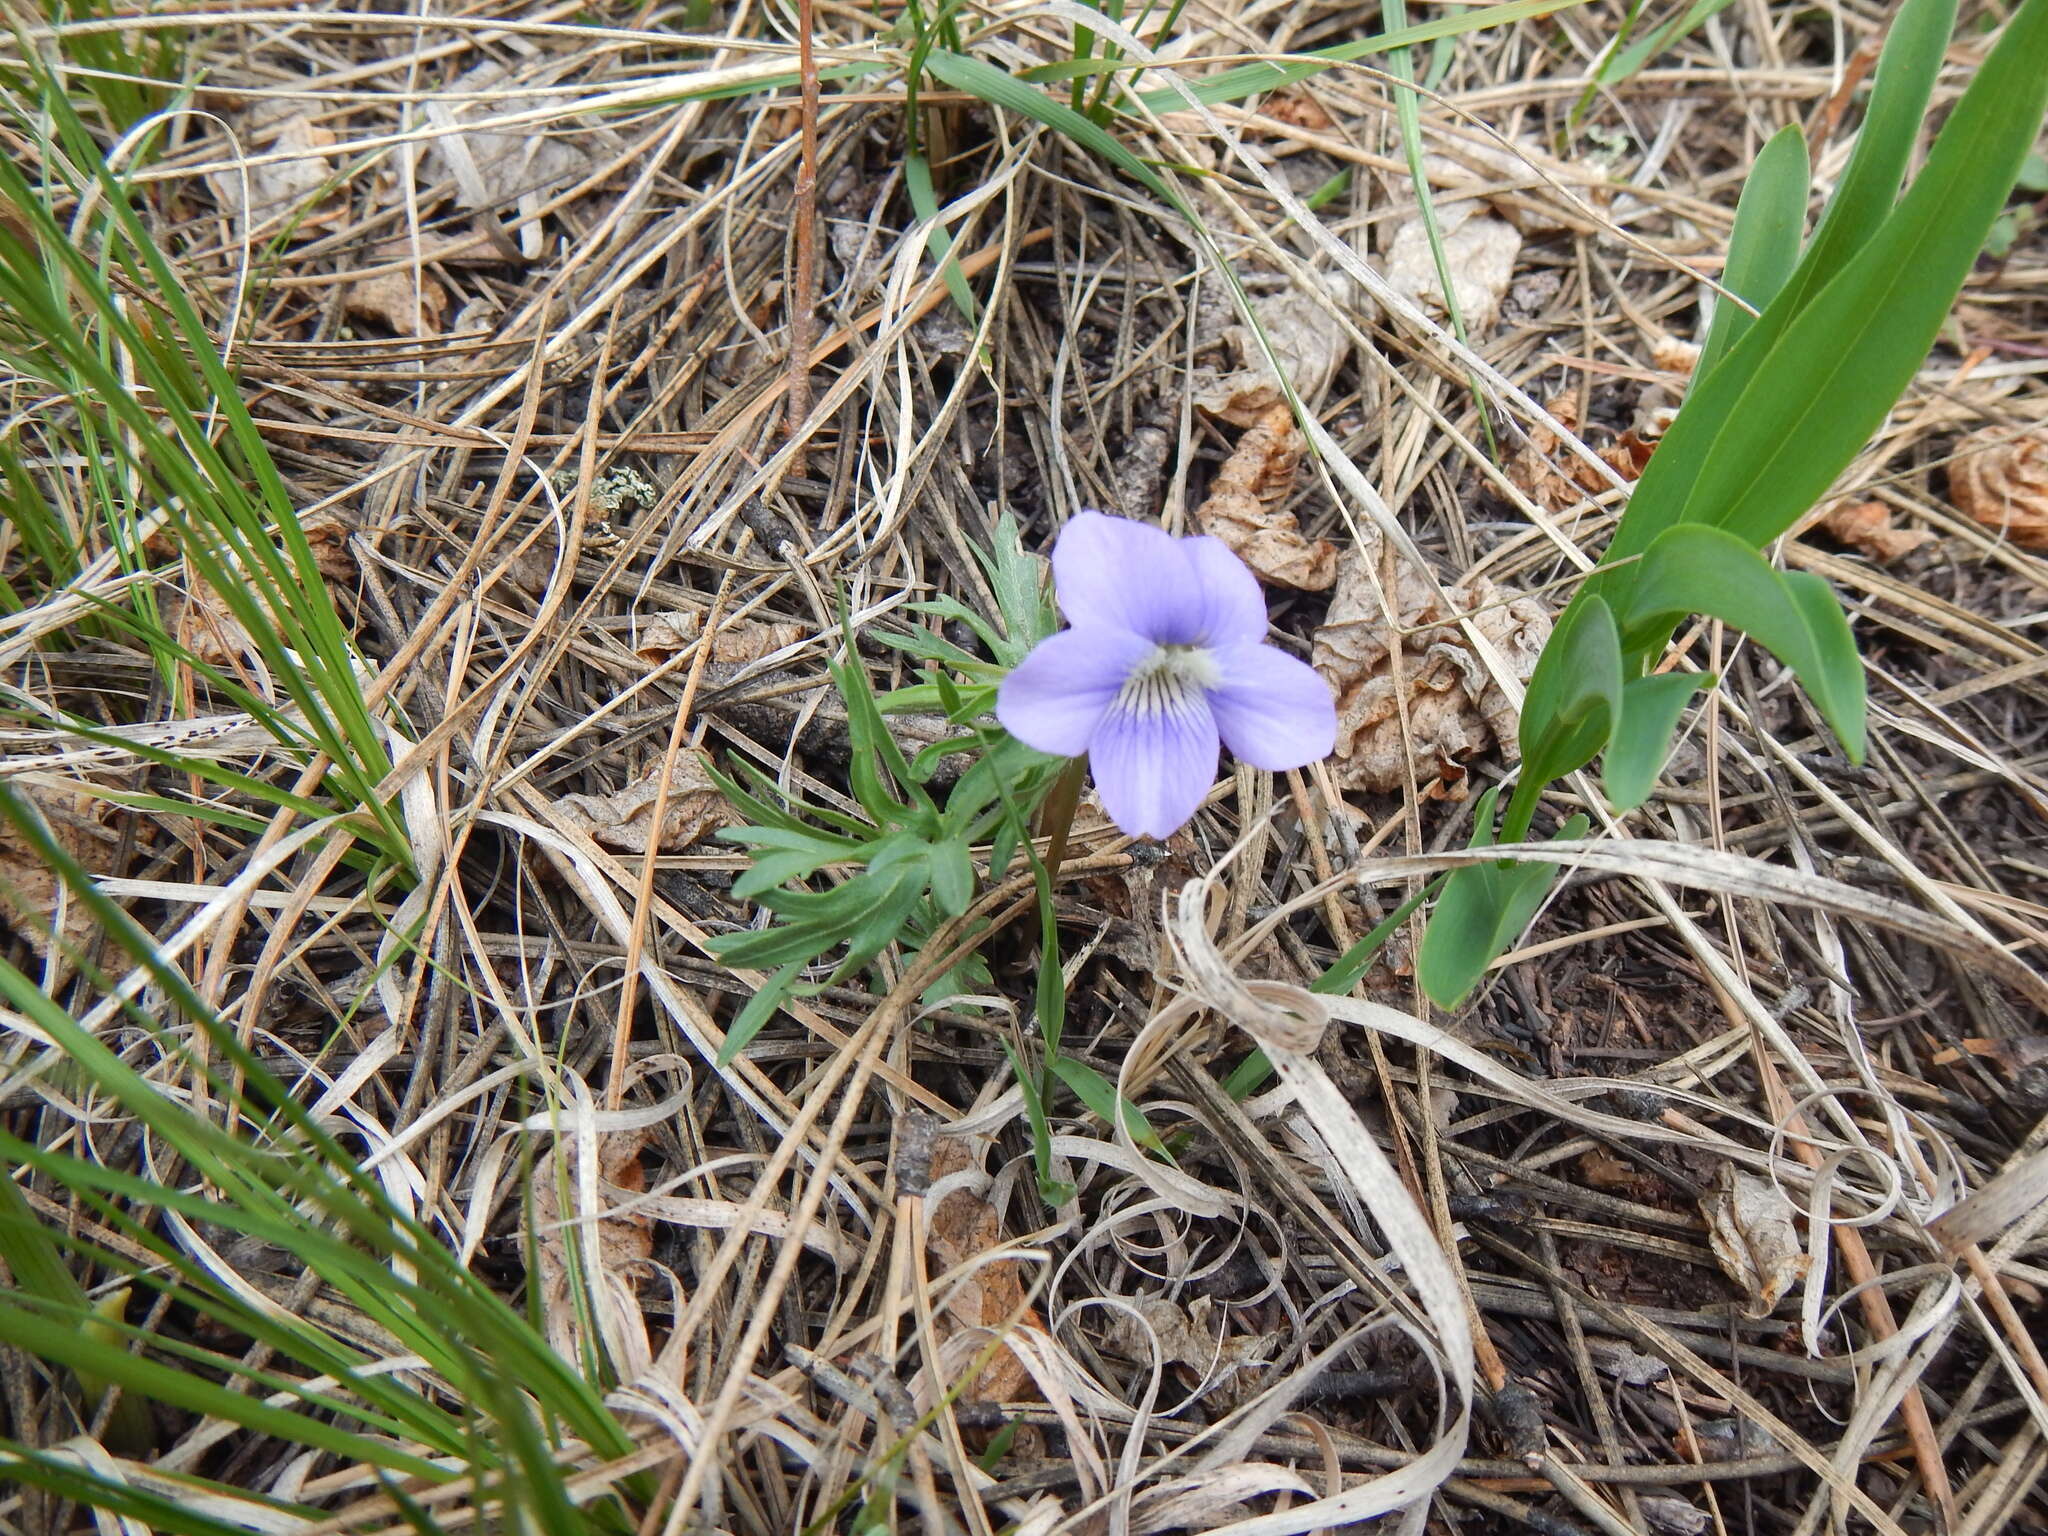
(1793, 615)
(1483, 910)
(868, 740)
(928, 648)
(1023, 602)
(952, 876)
(1104, 1102)
(759, 1009)
(762, 807)
(1764, 246)
(1650, 707)
(794, 854)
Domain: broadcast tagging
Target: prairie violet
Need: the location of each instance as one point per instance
(1166, 657)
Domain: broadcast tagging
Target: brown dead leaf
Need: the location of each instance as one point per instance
(1479, 253)
(963, 1227)
(1750, 1228)
(1297, 109)
(665, 634)
(261, 196)
(33, 901)
(1673, 354)
(1308, 344)
(1242, 509)
(2001, 482)
(624, 1244)
(517, 166)
(200, 622)
(1557, 482)
(1867, 526)
(1455, 710)
(328, 533)
(620, 821)
(388, 300)
(1195, 1340)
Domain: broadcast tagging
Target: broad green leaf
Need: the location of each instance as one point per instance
(1104, 1102)
(1650, 707)
(1697, 569)
(1482, 911)
(759, 1009)
(1763, 249)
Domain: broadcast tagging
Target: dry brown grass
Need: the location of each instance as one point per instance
(784, 1289)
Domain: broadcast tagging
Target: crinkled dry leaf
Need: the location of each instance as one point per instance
(623, 1245)
(2001, 482)
(268, 194)
(1308, 344)
(1750, 1228)
(1479, 252)
(518, 166)
(1558, 482)
(1195, 1339)
(328, 534)
(963, 1227)
(1673, 354)
(620, 821)
(200, 622)
(665, 634)
(1297, 109)
(1242, 507)
(1455, 709)
(1867, 526)
(33, 901)
(389, 299)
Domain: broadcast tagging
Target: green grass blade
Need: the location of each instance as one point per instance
(1255, 79)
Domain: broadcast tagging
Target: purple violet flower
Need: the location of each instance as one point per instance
(1166, 657)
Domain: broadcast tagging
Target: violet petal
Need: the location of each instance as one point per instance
(1273, 711)
(1152, 770)
(1056, 697)
(1115, 571)
(1233, 609)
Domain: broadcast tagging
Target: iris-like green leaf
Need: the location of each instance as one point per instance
(1696, 569)
(1650, 707)
(1763, 248)
(1483, 910)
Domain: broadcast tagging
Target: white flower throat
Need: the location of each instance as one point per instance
(1168, 681)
